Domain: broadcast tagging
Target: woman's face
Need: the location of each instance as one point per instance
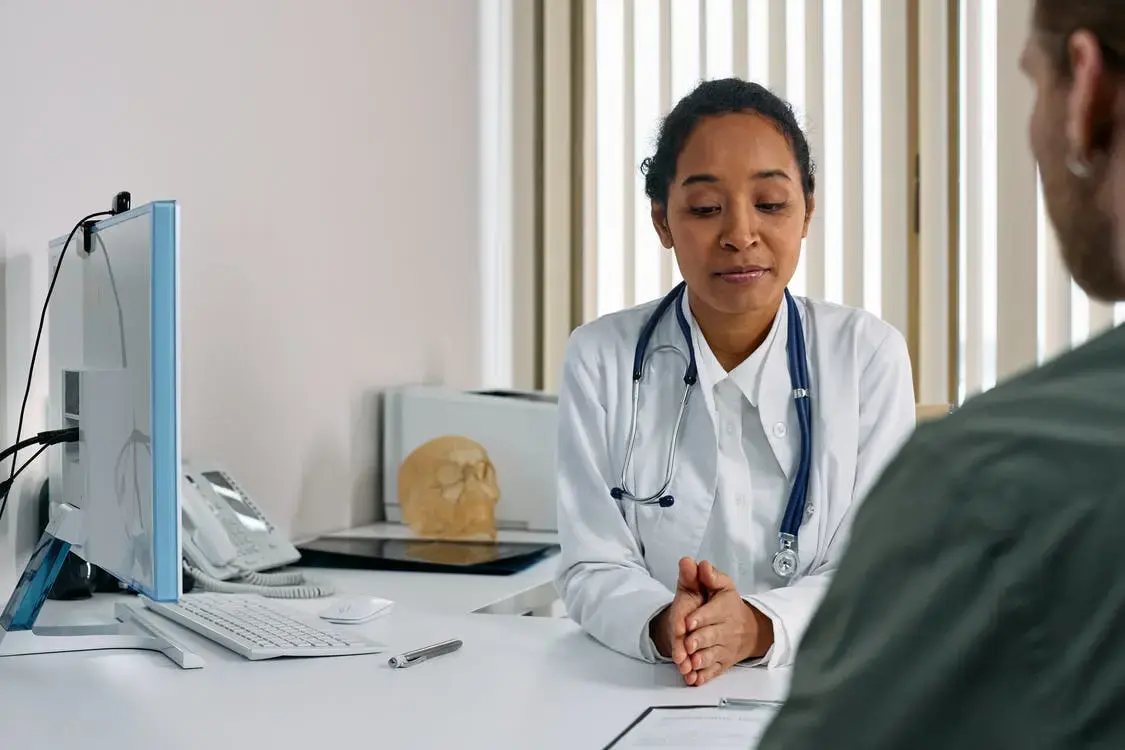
(736, 213)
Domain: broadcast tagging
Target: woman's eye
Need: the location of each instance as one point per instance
(770, 207)
(704, 210)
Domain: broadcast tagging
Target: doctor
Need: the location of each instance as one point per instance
(714, 447)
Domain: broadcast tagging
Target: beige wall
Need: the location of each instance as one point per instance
(326, 158)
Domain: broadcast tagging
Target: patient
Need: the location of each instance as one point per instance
(981, 603)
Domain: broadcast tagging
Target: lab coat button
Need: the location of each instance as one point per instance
(809, 510)
(780, 430)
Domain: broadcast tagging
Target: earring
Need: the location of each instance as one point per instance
(1078, 166)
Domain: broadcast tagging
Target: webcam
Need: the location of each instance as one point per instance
(122, 202)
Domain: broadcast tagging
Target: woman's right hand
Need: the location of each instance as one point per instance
(669, 628)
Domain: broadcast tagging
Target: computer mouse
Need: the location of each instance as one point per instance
(351, 610)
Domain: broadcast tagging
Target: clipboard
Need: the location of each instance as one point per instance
(749, 720)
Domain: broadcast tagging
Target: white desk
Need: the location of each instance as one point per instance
(518, 682)
(530, 591)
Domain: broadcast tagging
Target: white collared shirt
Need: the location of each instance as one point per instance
(752, 489)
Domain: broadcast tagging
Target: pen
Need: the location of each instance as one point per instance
(418, 655)
(745, 703)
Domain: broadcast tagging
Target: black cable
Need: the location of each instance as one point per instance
(46, 439)
(25, 443)
(35, 349)
(6, 485)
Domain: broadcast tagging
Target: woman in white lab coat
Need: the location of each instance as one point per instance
(701, 578)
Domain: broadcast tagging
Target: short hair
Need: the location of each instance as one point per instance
(1056, 20)
(720, 97)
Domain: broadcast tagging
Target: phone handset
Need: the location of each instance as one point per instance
(204, 535)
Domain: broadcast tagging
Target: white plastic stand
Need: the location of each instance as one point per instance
(134, 628)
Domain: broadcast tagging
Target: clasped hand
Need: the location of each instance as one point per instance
(709, 627)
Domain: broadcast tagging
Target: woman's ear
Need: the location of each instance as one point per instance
(660, 224)
(810, 206)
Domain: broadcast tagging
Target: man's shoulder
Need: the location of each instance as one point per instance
(1056, 431)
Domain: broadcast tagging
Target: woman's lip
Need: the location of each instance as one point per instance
(743, 277)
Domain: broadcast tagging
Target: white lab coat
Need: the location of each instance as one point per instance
(619, 561)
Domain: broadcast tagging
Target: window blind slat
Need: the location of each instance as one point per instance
(971, 334)
(778, 54)
(668, 272)
(813, 256)
(1016, 198)
(740, 38)
(589, 206)
(628, 151)
(895, 192)
(934, 239)
(852, 161)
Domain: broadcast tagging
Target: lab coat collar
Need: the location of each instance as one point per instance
(748, 375)
(763, 379)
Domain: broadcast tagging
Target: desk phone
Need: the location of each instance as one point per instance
(225, 534)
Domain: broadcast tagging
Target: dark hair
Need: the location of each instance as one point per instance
(721, 97)
(1056, 20)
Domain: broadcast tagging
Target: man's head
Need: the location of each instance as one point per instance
(1076, 57)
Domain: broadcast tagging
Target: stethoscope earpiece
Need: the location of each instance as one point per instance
(667, 501)
(616, 493)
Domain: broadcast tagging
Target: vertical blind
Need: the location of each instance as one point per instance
(840, 63)
(845, 65)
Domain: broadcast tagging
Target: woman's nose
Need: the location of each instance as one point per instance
(740, 231)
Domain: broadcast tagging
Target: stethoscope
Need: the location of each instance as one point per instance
(785, 559)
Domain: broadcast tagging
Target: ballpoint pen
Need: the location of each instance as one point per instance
(410, 658)
(746, 703)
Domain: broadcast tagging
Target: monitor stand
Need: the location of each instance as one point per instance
(135, 627)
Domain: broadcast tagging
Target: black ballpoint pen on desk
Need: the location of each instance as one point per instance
(419, 655)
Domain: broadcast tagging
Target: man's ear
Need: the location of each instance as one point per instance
(1087, 102)
(810, 207)
(660, 224)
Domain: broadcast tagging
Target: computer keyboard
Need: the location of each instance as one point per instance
(257, 628)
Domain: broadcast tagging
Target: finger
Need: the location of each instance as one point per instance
(684, 667)
(684, 604)
(679, 651)
(714, 612)
(713, 579)
(677, 615)
(706, 675)
(689, 575)
(705, 658)
(701, 638)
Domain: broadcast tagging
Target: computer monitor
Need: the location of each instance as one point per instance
(114, 373)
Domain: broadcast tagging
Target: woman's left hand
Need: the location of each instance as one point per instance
(725, 630)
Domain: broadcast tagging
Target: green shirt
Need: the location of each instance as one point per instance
(981, 602)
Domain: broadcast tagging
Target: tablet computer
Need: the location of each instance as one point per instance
(423, 555)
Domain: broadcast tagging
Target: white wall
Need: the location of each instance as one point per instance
(326, 157)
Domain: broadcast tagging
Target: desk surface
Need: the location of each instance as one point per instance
(517, 682)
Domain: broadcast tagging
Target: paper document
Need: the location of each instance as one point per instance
(698, 728)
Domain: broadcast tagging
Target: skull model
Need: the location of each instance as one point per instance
(447, 490)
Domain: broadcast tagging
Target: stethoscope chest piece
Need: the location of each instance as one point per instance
(785, 560)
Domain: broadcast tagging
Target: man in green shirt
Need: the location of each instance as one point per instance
(981, 603)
